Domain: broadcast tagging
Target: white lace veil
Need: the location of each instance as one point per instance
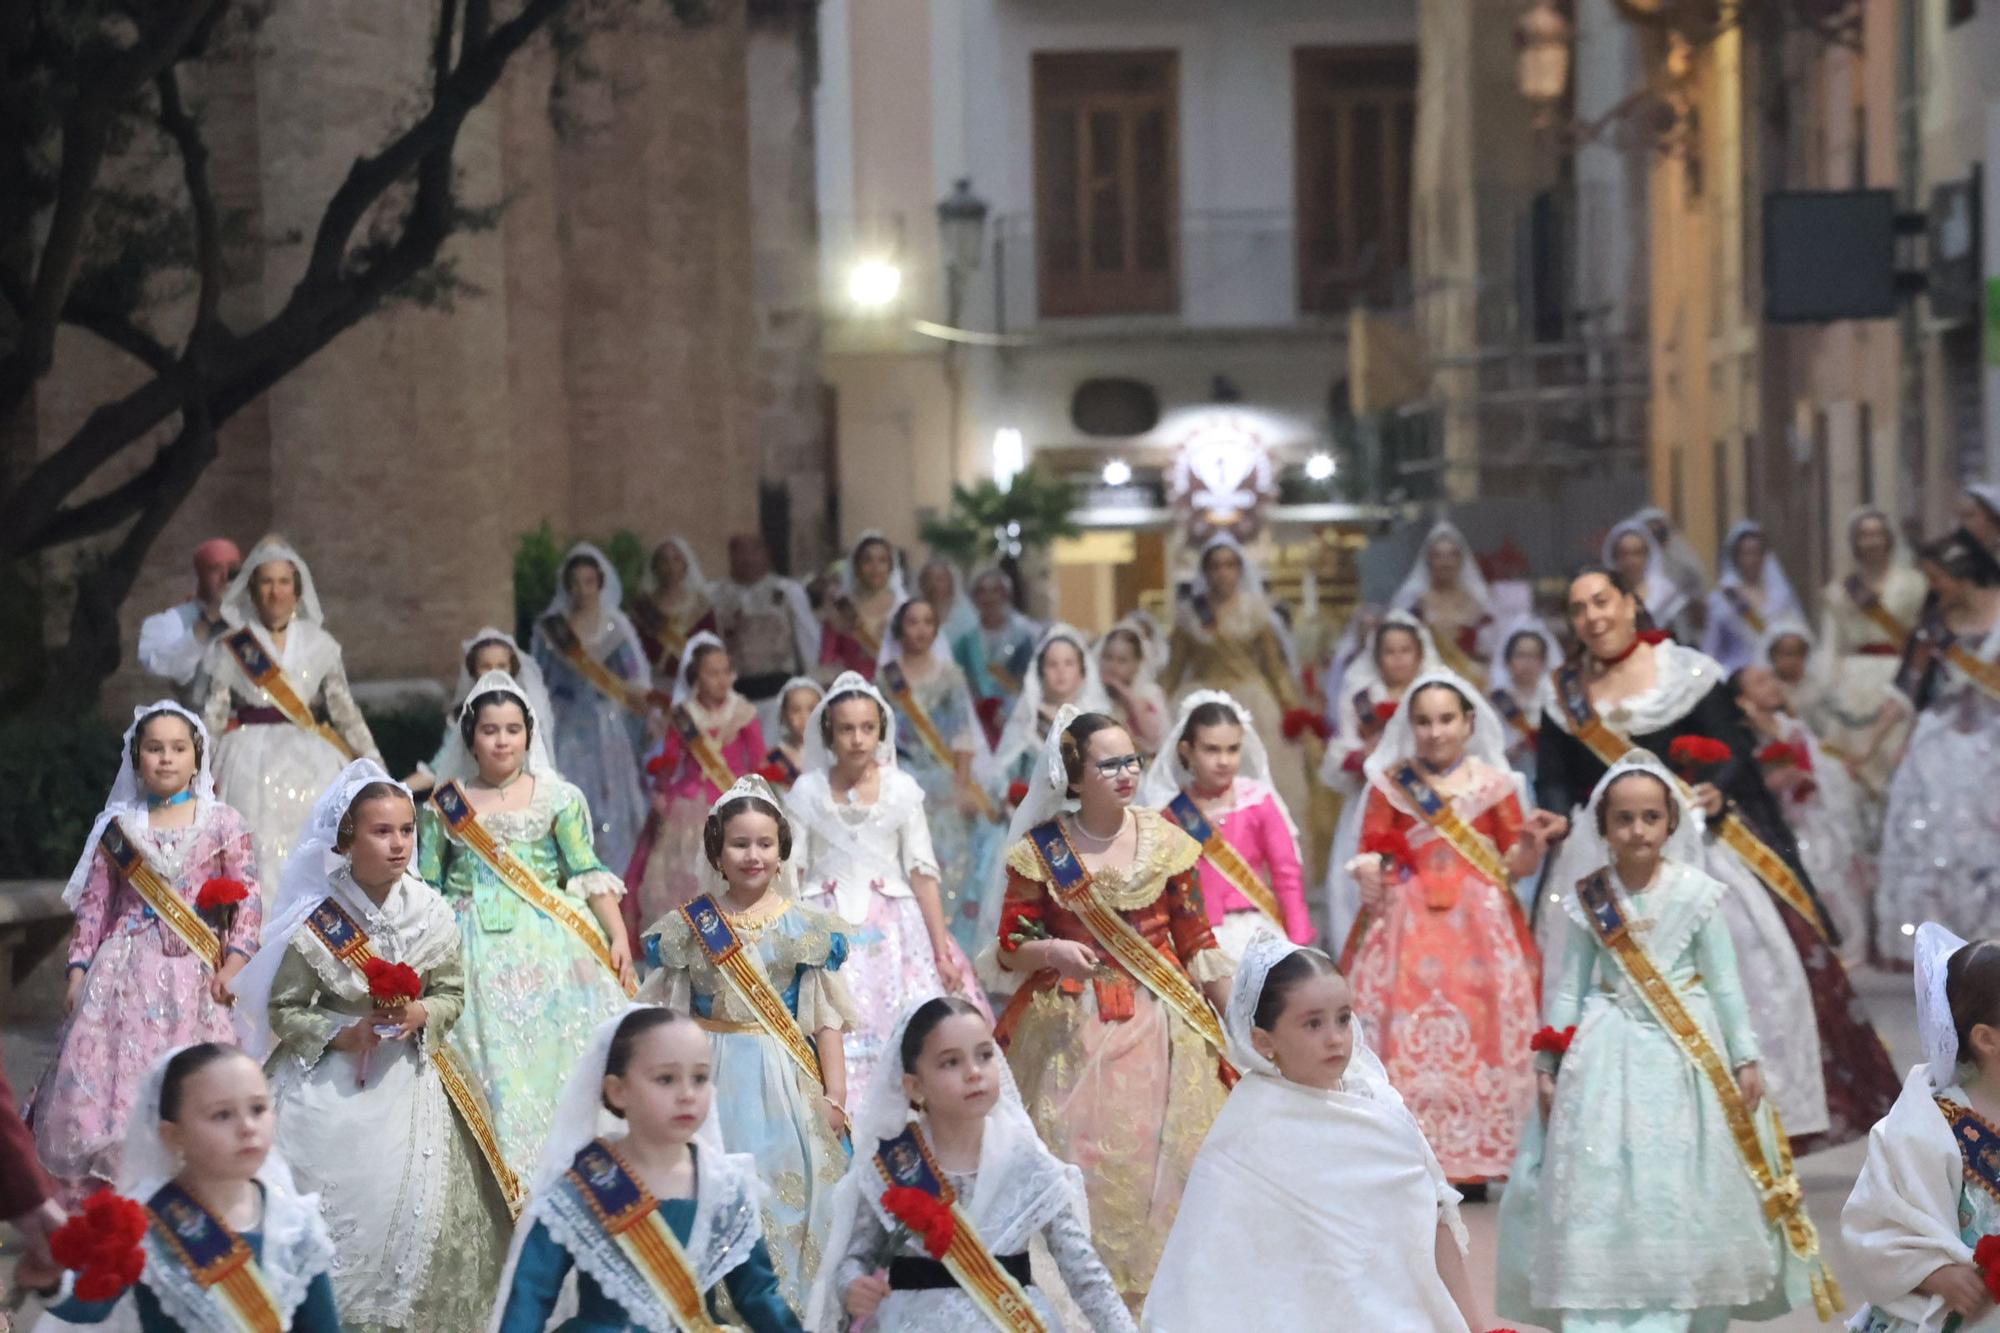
(693, 581)
(237, 606)
(882, 1113)
(529, 676)
(1676, 550)
(1488, 742)
(818, 756)
(1149, 651)
(1264, 952)
(457, 763)
(849, 581)
(610, 599)
(1986, 493)
(786, 882)
(1418, 581)
(1779, 599)
(784, 693)
(1048, 796)
(683, 691)
(892, 645)
(1788, 628)
(148, 1163)
(1661, 595)
(1024, 726)
(127, 801)
(1899, 550)
(1497, 674)
(1684, 844)
(1166, 777)
(1934, 947)
(1363, 672)
(305, 883)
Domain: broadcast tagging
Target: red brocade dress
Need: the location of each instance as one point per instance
(1447, 979)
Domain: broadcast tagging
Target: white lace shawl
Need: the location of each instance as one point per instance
(1682, 678)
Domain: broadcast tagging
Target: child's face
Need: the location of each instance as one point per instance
(492, 657)
(1632, 558)
(385, 836)
(714, 678)
(958, 1071)
(1214, 756)
(668, 1085)
(750, 851)
(1397, 656)
(1761, 690)
(871, 567)
(1788, 658)
(1111, 768)
(1313, 1039)
(1528, 661)
(798, 709)
(1062, 672)
(1118, 660)
(857, 728)
(1443, 725)
(1637, 820)
(919, 629)
(500, 741)
(224, 1125)
(167, 759)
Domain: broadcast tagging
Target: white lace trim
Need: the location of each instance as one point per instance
(296, 1250)
(1682, 678)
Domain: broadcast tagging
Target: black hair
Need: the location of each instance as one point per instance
(826, 714)
(692, 667)
(631, 1028)
(1644, 621)
(1465, 703)
(1076, 741)
(343, 835)
(896, 620)
(1964, 557)
(1130, 635)
(1041, 654)
(1972, 990)
(1507, 653)
(185, 1064)
(571, 565)
(716, 828)
(1211, 714)
(1292, 971)
(1388, 627)
(513, 658)
(1217, 549)
(139, 733)
(929, 1015)
(854, 556)
(468, 717)
(1673, 805)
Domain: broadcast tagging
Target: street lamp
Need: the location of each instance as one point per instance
(874, 284)
(1542, 55)
(961, 219)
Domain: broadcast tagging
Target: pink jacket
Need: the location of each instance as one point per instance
(1257, 830)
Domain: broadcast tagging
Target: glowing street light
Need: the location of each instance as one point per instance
(1117, 472)
(874, 284)
(1010, 456)
(1319, 467)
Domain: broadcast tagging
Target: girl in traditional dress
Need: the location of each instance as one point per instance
(784, 761)
(1228, 637)
(869, 860)
(1215, 784)
(1527, 653)
(1399, 651)
(1125, 665)
(857, 616)
(653, 1070)
(599, 684)
(167, 913)
(939, 742)
(489, 650)
(1120, 1074)
(945, 1115)
(1943, 819)
(1677, 554)
(198, 1157)
(938, 583)
(1788, 652)
(1061, 671)
(780, 1069)
(1927, 1196)
(1632, 551)
(1444, 966)
(1751, 595)
(1817, 799)
(376, 1113)
(671, 608)
(996, 653)
(1866, 615)
(541, 971)
(1316, 1185)
(269, 676)
(1446, 591)
(1828, 1072)
(713, 737)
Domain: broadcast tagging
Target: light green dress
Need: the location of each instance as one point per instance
(1634, 1210)
(534, 991)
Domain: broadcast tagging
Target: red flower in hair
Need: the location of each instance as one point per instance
(220, 892)
(1693, 756)
(1552, 1041)
(924, 1215)
(101, 1245)
(392, 983)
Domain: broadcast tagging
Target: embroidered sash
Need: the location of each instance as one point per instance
(452, 806)
(1978, 1143)
(1458, 660)
(653, 621)
(1505, 704)
(562, 637)
(345, 940)
(630, 1216)
(1477, 849)
(220, 1261)
(1740, 604)
(1003, 676)
(781, 761)
(265, 673)
(154, 890)
(695, 742)
(1183, 811)
(747, 978)
(1167, 980)
(906, 1161)
(1869, 603)
(1777, 1185)
(1982, 673)
(897, 685)
(1608, 745)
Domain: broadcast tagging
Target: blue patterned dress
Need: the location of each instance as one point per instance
(598, 738)
(967, 846)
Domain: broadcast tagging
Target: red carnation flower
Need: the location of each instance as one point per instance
(1552, 1041)
(101, 1244)
(220, 892)
(1017, 792)
(659, 766)
(1392, 843)
(1385, 710)
(1693, 756)
(1986, 1257)
(1298, 721)
(773, 774)
(924, 1215)
(392, 983)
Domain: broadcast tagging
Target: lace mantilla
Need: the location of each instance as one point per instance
(296, 1249)
(1682, 678)
(1163, 851)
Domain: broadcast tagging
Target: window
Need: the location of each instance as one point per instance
(1107, 191)
(1357, 120)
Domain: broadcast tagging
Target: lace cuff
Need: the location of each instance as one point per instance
(596, 884)
(825, 1002)
(1210, 965)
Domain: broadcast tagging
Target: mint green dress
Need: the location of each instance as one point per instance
(534, 992)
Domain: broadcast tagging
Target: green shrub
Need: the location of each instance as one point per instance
(54, 775)
(538, 558)
(406, 736)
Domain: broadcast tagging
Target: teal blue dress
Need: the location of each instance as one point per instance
(967, 846)
(315, 1314)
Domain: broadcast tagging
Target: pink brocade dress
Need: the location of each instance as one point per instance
(665, 868)
(1257, 830)
(145, 994)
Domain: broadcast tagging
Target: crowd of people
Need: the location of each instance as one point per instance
(868, 953)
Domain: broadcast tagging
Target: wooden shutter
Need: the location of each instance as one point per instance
(1356, 114)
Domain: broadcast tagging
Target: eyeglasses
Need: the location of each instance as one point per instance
(1124, 763)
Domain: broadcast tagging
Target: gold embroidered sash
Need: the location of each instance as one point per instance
(1071, 883)
(1226, 859)
(1869, 603)
(263, 671)
(452, 806)
(154, 890)
(562, 637)
(1777, 1186)
(1982, 673)
(220, 1261)
(345, 940)
(1740, 604)
(1455, 657)
(896, 683)
(747, 978)
(696, 743)
(631, 1219)
(1439, 813)
(906, 1162)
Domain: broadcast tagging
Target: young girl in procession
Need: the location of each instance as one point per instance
(599, 685)
(1215, 784)
(1316, 1185)
(1943, 822)
(168, 911)
(351, 1003)
(940, 743)
(1111, 1035)
(651, 1069)
(544, 949)
(857, 615)
(1062, 671)
(939, 583)
(269, 676)
(199, 1164)
(944, 1120)
(1751, 595)
(489, 650)
(1787, 650)
(996, 653)
(1448, 593)
(777, 1009)
(1515, 679)
(1446, 976)
(1400, 650)
(671, 608)
(1643, 1203)
(868, 860)
(1866, 614)
(1633, 551)
(713, 737)
(1919, 1224)
(784, 761)
(1125, 665)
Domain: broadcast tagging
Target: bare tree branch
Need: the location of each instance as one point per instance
(113, 326)
(181, 128)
